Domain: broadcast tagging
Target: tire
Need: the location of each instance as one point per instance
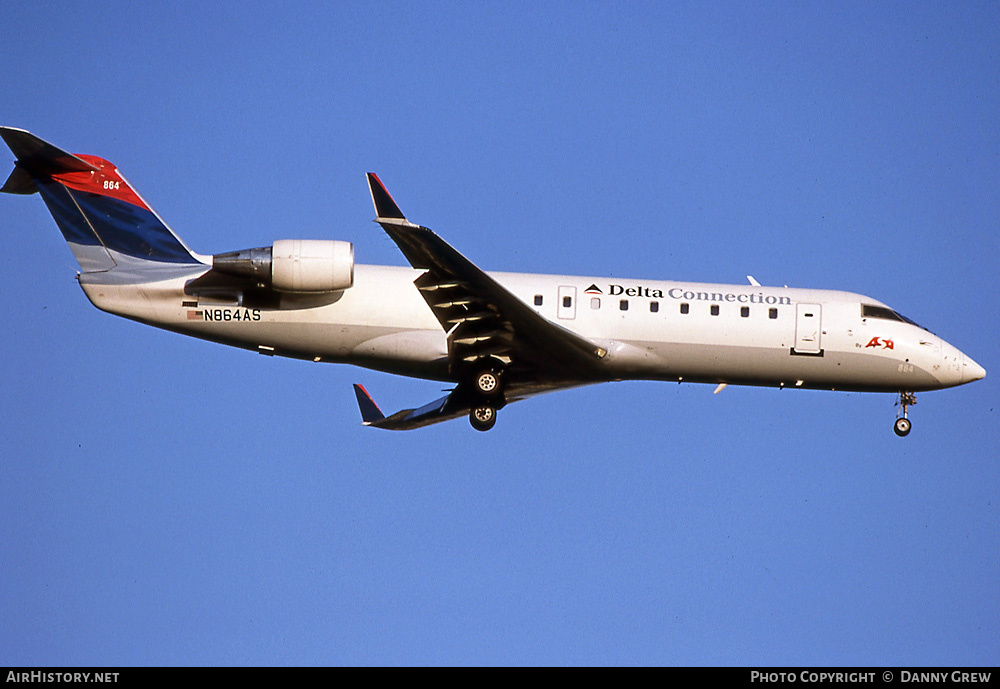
(902, 427)
(487, 384)
(483, 418)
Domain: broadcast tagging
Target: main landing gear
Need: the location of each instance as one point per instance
(903, 425)
(487, 383)
(487, 390)
(483, 418)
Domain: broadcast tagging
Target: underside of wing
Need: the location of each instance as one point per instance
(484, 320)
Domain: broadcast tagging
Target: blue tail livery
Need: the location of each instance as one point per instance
(103, 219)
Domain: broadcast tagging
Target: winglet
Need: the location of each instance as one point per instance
(370, 413)
(385, 207)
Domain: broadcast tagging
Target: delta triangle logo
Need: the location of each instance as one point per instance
(593, 289)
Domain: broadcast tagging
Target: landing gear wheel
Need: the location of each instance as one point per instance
(487, 384)
(483, 418)
(901, 427)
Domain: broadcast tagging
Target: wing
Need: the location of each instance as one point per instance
(453, 405)
(482, 318)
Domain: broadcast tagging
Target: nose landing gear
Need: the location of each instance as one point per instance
(903, 425)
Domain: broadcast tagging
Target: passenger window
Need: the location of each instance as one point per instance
(538, 300)
(623, 305)
(567, 302)
(595, 303)
(745, 311)
(685, 308)
(772, 313)
(654, 306)
(715, 309)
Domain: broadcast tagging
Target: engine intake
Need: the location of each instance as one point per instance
(294, 265)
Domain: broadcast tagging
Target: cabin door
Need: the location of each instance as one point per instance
(808, 328)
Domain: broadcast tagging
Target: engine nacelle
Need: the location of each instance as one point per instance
(312, 265)
(294, 265)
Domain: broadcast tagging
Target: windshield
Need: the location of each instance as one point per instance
(886, 314)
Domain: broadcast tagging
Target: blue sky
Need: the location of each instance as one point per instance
(171, 501)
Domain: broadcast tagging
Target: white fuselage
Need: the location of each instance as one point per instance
(657, 330)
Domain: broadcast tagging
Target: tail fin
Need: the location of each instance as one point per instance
(103, 219)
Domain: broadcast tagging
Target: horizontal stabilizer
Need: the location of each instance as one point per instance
(40, 157)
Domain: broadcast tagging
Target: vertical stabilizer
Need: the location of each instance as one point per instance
(101, 216)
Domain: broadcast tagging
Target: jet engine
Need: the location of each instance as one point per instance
(294, 265)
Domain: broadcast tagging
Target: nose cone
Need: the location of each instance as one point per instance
(955, 368)
(971, 370)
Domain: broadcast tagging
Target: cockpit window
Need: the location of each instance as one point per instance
(872, 311)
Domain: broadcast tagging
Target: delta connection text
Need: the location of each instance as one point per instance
(697, 295)
(904, 676)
